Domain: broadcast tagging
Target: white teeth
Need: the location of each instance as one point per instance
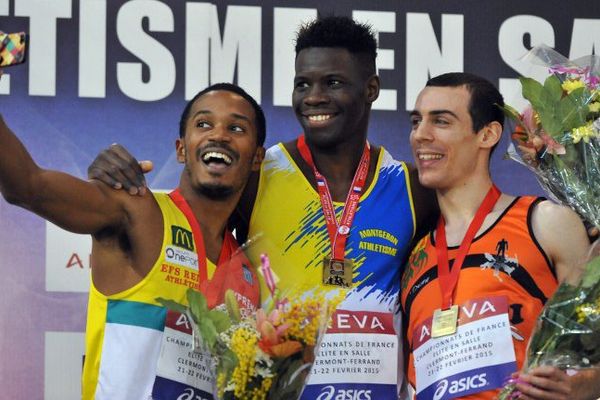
(427, 157)
(216, 155)
(324, 117)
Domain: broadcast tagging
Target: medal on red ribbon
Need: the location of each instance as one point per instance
(337, 269)
(445, 318)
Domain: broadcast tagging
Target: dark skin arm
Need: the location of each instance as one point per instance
(116, 167)
(127, 230)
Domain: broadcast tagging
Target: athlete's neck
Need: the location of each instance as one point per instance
(212, 216)
(458, 205)
(337, 164)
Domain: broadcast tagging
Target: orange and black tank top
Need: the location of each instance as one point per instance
(504, 260)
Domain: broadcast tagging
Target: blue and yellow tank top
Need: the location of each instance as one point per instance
(287, 224)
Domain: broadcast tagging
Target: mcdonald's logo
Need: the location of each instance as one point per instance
(182, 238)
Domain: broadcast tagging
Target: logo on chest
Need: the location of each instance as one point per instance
(501, 261)
(378, 241)
(182, 238)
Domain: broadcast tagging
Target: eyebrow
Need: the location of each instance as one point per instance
(240, 116)
(433, 112)
(235, 115)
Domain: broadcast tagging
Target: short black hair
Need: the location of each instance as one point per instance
(261, 124)
(337, 31)
(486, 102)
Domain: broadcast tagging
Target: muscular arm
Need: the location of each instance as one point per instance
(69, 202)
(563, 237)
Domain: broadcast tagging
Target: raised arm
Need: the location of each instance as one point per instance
(69, 202)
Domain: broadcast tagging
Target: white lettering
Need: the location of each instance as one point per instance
(424, 333)
(285, 25)
(471, 311)
(381, 21)
(512, 49)
(376, 323)
(424, 57)
(157, 57)
(487, 307)
(182, 320)
(343, 321)
(42, 46)
(92, 48)
(585, 39)
(212, 59)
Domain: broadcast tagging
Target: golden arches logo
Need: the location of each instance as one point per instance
(182, 238)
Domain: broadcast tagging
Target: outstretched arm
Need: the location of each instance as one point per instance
(69, 202)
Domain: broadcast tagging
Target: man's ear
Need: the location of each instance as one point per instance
(373, 87)
(180, 150)
(259, 156)
(490, 134)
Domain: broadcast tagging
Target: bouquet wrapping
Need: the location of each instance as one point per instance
(558, 134)
(557, 137)
(264, 354)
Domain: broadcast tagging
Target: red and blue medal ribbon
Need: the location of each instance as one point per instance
(338, 232)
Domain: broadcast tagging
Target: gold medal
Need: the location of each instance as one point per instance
(444, 321)
(337, 272)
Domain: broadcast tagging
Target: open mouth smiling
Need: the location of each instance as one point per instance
(216, 157)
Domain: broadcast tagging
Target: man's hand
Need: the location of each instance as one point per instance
(545, 382)
(117, 168)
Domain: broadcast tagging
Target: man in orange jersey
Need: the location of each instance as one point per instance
(475, 285)
(155, 245)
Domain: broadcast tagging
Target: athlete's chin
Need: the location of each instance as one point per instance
(323, 138)
(216, 191)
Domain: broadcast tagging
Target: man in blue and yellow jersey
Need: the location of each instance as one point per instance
(332, 210)
(155, 245)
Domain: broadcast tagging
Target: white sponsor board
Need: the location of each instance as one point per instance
(67, 260)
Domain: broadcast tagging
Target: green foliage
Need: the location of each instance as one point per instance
(208, 332)
(220, 320)
(558, 112)
(591, 276)
(171, 305)
(198, 304)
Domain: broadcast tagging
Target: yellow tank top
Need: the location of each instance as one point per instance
(124, 330)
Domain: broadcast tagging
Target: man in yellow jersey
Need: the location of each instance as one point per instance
(155, 245)
(468, 325)
(331, 210)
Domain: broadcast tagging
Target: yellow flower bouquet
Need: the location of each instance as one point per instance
(558, 138)
(267, 354)
(558, 134)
